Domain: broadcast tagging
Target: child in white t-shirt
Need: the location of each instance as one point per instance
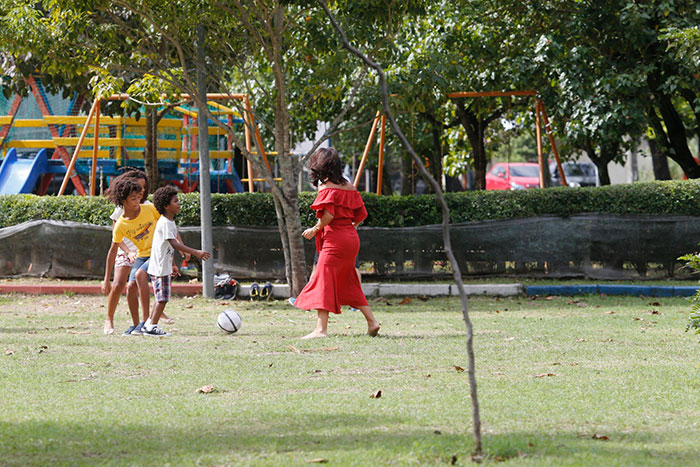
(161, 266)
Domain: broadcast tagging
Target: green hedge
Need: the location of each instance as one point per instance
(656, 198)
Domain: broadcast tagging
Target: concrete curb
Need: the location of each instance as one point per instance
(281, 291)
(630, 290)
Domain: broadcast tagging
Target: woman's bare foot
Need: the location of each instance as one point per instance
(109, 327)
(373, 330)
(315, 335)
(164, 318)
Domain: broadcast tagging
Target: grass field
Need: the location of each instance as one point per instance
(584, 381)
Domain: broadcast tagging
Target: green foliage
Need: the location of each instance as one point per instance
(674, 198)
(693, 261)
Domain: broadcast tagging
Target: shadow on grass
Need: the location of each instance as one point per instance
(378, 438)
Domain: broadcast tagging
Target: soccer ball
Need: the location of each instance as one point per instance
(229, 321)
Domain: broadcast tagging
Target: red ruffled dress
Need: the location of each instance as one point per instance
(335, 282)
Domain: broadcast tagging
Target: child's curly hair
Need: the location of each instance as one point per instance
(138, 174)
(162, 197)
(121, 188)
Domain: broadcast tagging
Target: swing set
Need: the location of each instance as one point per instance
(183, 141)
(540, 117)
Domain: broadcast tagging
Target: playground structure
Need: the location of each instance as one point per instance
(109, 144)
(540, 117)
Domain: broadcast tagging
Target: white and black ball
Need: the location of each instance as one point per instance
(229, 321)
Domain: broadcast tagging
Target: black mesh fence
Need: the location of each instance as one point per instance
(586, 246)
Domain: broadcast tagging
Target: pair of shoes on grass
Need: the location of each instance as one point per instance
(258, 293)
(226, 287)
(135, 330)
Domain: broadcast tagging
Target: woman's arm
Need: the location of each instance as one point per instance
(325, 219)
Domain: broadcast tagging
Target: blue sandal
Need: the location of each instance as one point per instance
(266, 291)
(254, 292)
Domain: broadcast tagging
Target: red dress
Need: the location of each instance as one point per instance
(335, 282)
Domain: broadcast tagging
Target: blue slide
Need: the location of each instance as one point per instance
(20, 175)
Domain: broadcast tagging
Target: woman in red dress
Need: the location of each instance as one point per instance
(339, 209)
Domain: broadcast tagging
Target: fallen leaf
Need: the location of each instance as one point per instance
(330, 349)
(573, 363)
(459, 369)
(498, 373)
(607, 340)
(437, 432)
(556, 363)
(189, 306)
(425, 298)
(544, 375)
(582, 305)
(581, 340)
(600, 437)
(654, 312)
(406, 301)
(206, 389)
(428, 375)
(294, 349)
(270, 365)
(78, 332)
(317, 461)
(509, 338)
(376, 395)
(638, 319)
(220, 303)
(609, 312)
(655, 304)
(9, 352)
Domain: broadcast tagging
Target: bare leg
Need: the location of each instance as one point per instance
(372, 324)
(121, 274)
(132, 298)
(321, 326)
(157, 312)
(144, 292)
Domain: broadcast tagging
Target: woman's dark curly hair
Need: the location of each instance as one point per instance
(121, 188)
(163, 196)
(325, 166)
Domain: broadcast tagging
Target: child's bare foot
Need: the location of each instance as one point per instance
(315, 335)
(373, 330)
(109, 327)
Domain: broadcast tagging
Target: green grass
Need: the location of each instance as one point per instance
(73, 396)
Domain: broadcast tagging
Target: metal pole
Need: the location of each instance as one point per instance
(367, 147)
(538, 132)
(204, 178)
(96, 141)
(380, 165)
(555, 151)
(71, 165)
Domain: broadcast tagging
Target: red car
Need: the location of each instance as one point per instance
(513, 176)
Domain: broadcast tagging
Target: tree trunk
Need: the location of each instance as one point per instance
(291, 225)
(150, 156)
(607, 154)
(675, 129)
(658, 146)
(659, 160)
(406, 176)
(475, 134)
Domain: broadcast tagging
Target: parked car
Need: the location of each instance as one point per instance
(513, 176)
(577, 174)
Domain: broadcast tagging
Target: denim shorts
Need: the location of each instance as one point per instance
(139, 263)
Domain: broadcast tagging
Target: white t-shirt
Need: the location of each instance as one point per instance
(161, 263)
(116, 214)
